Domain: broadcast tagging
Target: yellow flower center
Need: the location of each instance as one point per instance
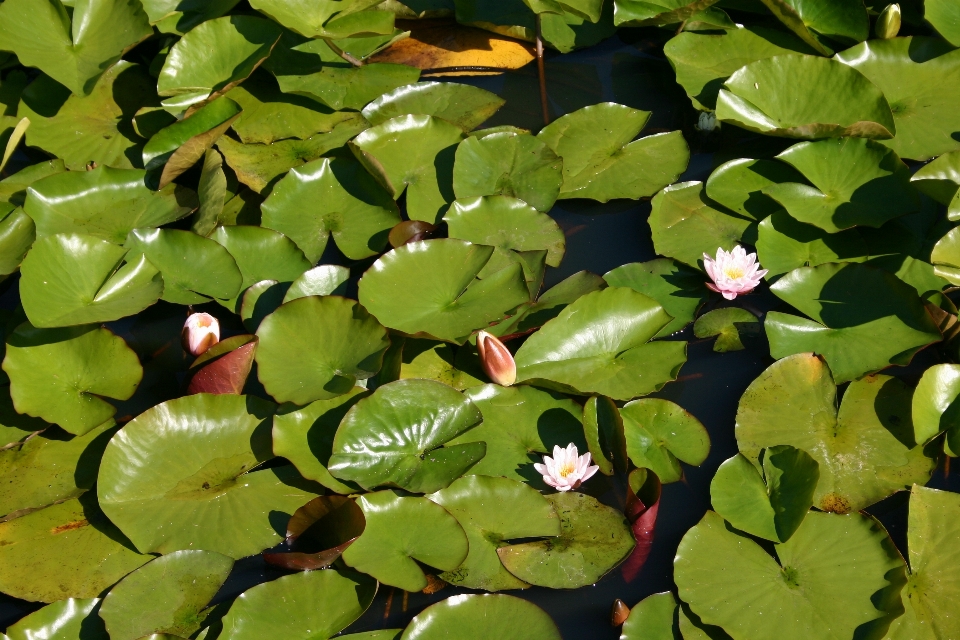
(733, 272)
(566, 469)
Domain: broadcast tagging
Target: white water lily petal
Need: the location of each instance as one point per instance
(733, 273)
(567, 469)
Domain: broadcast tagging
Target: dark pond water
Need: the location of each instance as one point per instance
(626, 69)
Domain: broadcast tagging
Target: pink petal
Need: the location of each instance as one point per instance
(729, 295)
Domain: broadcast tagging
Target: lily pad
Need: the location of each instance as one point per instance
(653, 619)
(820, 588)
(401, 436)
(14, 189)
(179, 16)
(17, 233)
(325, 280)
(71, 279)
(70, 619)
(482, 616)
(679, 289)
(863, 319)
(393, 541)
(817, 23)
(549, 304)
(491, 511)
(783, 244)
(106, 203)
(167, 595)
(224, 367)
(603, 428)
(727, 324)
(656, 13)
(14, 427)
(944, 16)
(933, 406)
(660, 434)
(448, 303)
(796, 96)
(946, 257)
(739, 185)
(338, 198)
(600, 344)
(328, 18)
(310, 604)
(431, 360)
(594, 538)
(461, 104)
(296, 367)
(190, 462)
(506, 223)
(601, 159)
(940, 178)
(62, 375)
(75, 47)
(866, 451)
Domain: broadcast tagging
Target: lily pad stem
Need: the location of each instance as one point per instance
(544, 102)
(343, 54)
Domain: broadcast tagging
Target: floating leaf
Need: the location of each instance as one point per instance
(319, 532)
(944, 16)
(739, 185)
(659, 434)
(783, 244)
(461, 104)
(640, 13)
(224, 367)
(506, 223)
(325, 280)
(865, 451)
(212, 193)
(296, 367)
(933, 402)
(946, 257)
(533, 315)
(432, 360)
(653, 619)
(179, 16)
(187, 463)
(843, 21)
(14, 189)
(17, 233)
(69, 619)
(478, 617)
(328, 18)
(679, 289)
(603, 428)
(601, 163)
(939, 179)
(727, 324)
(401, 436)
(594, 538)
(14, 427)
(393, 541)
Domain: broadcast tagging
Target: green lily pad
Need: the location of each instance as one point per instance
(679, 289)
(817, 23)
(413, 153)
(520, 425)
(328, 18)
(507, 223)
(656, 13)
(919, 78)
(685, 224)
(71, 279)
(190, 464)
(660, 434)
(310, 604)
(601, 159)
(14, 188)
(863, 319)
(940, 178)
(166, 595)
(336, 198)
(796, 96)
(212, 193)
(703, 61)
(933, 406)
(946, 257)
(482, 616)
(70, 619)
(214, 57)
(771, 503)
(491, 511)
(508, 164)
(75, 47)
(653, 619)
(600, 344)
(783, 244)
(14, 427)
(382, 634)
(62, 375)
(727, 324)
(325, 280)
(401, 436)
(106, 203)
(739, 185)
(944, 16)
(296, 367)
(820, 588)
(461, 104)
(393, 541)
(17, 233)
(603, 428)
(260, 300)
(93, 128)
(594, 538)
(532, 315)
(431, 360)
(448, 303)
(67, 550)
(866, 451)
(179, 16)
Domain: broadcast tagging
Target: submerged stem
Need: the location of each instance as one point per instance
(544, 103)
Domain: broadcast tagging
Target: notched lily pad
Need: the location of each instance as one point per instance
(659, 434)
(482, 616)
(730, 325)
(679, 289)
(461, 104)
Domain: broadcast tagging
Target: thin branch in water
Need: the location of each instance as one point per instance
(544, 102)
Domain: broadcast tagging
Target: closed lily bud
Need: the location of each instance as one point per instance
(888, 23)
(619, 613)
(200, 332)
(496, 359)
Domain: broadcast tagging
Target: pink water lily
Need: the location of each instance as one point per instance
(567, 469)
(733, 273)
(200, 332)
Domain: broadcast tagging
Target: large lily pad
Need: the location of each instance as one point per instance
(400, 436)
(866, 451)
(482, 616)
(62, 375)
(17, 233)
(491, 511)
(463, 105)
(182, 476)
(179, 16)
(820, 588)
(600, 344)
(817, 23)
(328, 18)
(448, 302)
(783, 244)
(945, 18)
(679, 289)
(70, 619)
(739, 186)
(934, 406)
(798, 96)
(438, 361)
(601, 159)
(335, 198)
(296, 367)
(946, 257)
(863, 319)
(594, 538)
(325, 280)
(74, 47)
(659, 434)
(14, 189)
(167, 595)
(393, 541)
(643, 13)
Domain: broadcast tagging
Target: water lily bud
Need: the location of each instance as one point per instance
(619, 612)
(733, 273)
(200, 332)
(707, 121)
(496, 359)
(888, 23)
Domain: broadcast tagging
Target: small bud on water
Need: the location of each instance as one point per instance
(496, 359)
(619, 613)
(888, 23)
(200, 332)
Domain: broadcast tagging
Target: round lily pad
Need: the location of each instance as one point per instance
(463, 105)
(934, 403)
(727, 324)
(187, 463)
(296, 367)
(62, 375)
(401, 436)
(679, 289)
(438, 361)
(943, 15)
(660, 434)
(652, 619)
(70, 619)
(482, 616)
(325, 280)
(819, 23)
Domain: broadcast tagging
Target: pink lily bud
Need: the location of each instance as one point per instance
(200, 332)
(496, 359)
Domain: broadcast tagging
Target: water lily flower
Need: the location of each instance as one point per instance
(567, 469)
(496, 359)
(733, 273)
(200, 332)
